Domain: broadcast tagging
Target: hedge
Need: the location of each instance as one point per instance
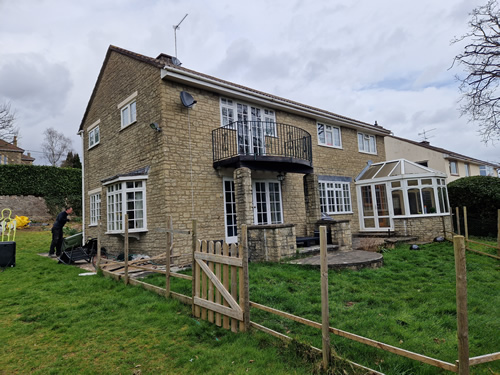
(58, 186)
(481, 196)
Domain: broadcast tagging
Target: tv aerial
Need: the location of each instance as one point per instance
(424, 134)
(176, 27)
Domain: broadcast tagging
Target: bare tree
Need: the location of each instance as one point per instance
(55, 145)
(7, 119)
(481, 61)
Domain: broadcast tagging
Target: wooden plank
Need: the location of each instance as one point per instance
(234, 287)
(484, 244)
(466, 228)
(125, 256)
(210, 284)
(484, 358)
(224, 291)
(170, 239)
(218, 249)
(458, 221)
(244, 280)
(203, 280)
(153, 288)
(182, 298)
(181, 276)
(361, 339)
(482, 253)
(220, 259)
(462, 322)
(196, 269)
(325, 313)
(225, 280)
(111, 274)
(287, 338)
(226, 311)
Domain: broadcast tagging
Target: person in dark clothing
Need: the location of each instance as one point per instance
(57, 231)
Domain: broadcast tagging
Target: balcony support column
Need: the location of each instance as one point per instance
(243, 195)
(313, 209)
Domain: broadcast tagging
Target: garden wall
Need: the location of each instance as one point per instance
(33, 207)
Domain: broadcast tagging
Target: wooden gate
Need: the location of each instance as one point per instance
(220, 283)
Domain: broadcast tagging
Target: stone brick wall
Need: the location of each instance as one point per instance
(424, 228)
(33, 207)
(271, 243)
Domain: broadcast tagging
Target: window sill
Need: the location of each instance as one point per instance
(94, 145)
(335, 147)
(126, 126)
(369, 153)
(340, 213)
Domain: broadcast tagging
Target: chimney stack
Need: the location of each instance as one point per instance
(14, 142)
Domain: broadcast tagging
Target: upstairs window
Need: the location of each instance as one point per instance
(264, 120)
(129, 114)
(367, 143)
(128, 110)
(467, 169)
(486, 170)
(453, 167)
(94, 136)
(329, 135)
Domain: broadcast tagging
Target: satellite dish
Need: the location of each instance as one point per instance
(187, 99)
(176, 61)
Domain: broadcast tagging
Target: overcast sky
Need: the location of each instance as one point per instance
(386, 60)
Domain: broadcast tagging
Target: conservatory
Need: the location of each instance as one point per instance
(403, 197)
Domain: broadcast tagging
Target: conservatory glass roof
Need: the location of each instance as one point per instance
(396, 168)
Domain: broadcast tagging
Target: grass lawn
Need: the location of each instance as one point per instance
(56, 322)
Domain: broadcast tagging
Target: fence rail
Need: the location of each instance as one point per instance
(220, 295)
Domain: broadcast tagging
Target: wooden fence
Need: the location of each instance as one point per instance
(450, 235)
(220, 295)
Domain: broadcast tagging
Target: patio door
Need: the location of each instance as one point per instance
(267, 202)
(230, 211)
(250, 130)
(374, 214)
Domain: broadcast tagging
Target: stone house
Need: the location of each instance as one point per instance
(455, 165)
(10, 153)
(162, 140)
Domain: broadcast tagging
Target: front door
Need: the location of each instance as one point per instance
(375, 208)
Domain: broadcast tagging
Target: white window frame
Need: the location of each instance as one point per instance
(486, 170)
(453, 167)
(128, 111)
(230, 217)
(95, 206)
(229, 114)
(367, 143)
(467, 169)
(94, 134)
(117, 204)
(332, 131)
(268, 208)
(330, 192)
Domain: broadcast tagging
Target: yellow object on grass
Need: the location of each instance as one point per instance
(22, 221)
(7, 224)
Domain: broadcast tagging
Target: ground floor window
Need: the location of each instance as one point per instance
(126, 197)
(267, 202)
(95, 208)
(335, 197)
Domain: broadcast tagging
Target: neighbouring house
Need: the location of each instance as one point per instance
(10, 153)
(453, 164)
(161, 140)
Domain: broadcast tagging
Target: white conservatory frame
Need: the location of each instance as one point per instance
(399, 189)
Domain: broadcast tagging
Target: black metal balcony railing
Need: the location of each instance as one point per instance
(259, 140)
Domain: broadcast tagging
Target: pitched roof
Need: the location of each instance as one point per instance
(6, 146)
(27, 158)
(164, 61)
(448, 154)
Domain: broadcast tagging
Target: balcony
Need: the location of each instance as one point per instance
(262, 145)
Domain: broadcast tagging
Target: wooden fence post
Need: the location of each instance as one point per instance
(98, 263)
(125, 256)
(194, 239)
(324, 298)
(498, 234)
(459, 231)
(462, 323)
(466, 226)
(244, 281)
(170, 240)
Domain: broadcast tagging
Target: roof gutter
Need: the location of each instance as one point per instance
(239, 92)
